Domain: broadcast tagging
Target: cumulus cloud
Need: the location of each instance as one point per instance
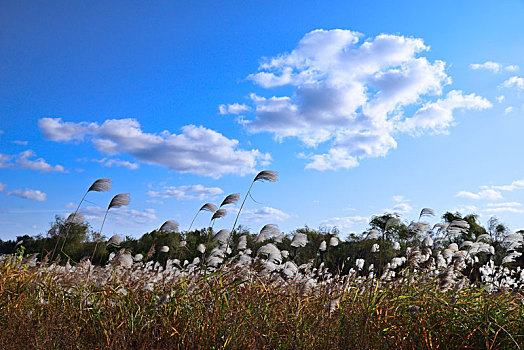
(34, 195)
(196, 150)
(483, 194)
(514, 82)
(438, 116)
(234, 108)
(508, 110)
(186, 192)
(345, 222)
(354, 94)
(22, 160)
(110, 162)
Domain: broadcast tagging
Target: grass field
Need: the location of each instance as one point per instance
(46, 306)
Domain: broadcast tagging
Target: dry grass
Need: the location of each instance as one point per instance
(45, 308)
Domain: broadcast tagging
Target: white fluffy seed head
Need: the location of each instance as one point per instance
(201, 248)
(299, 240)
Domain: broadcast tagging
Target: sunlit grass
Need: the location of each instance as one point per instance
(47, 308)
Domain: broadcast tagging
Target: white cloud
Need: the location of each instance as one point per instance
(333, 160)
(70, 205)
(495, 67)
(508, 110)
(109, 162)
(483, 194)
(353, 94)
(2, 186)
(401, 205)
(467, 209)
(265, 214)
(154, 201)
(196, 150)
(515, 185)
(22, 160)
(22, 143)
(234, 108)
(438, 116)
(186, 192)
(400, 199)
(56, 130)
(500, 98)
(122, 215)
(35, 195)
(504, 209)
(505, 204)
(401, 208)
(345, 222)
(489, 65)
(516, 82)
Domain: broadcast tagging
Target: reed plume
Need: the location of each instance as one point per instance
(230, 199)
(100, 185)
(426, 212)
(264, 175)
(118, 201)
(169, 226)
(206, 207)
(220, 213)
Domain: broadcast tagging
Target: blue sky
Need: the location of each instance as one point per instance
(362, 107)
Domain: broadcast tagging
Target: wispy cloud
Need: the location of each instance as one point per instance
(354, 94)
(494, 193)
(34, 195)
(186, 192)
(346, 222)
(264, 214)
(488, 65)
(495, 67)
(196, 150)
(401, 205)
(515, 185)
(110, 162)
(21, 143)
(122, 215)
(508, 207)
(2, 186)
(505, 204)
(483, 194)
(23, 160)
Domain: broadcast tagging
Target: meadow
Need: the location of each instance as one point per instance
(399, 285)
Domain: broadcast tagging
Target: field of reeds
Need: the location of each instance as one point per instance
(447, 287)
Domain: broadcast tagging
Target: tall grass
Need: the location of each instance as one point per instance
(44, 307)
